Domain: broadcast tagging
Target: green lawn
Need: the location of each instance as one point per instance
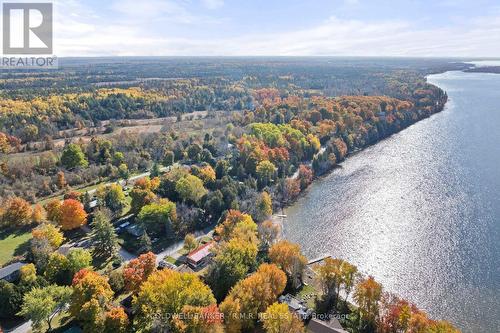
(308, 294)
(12, 245)
(172, 260)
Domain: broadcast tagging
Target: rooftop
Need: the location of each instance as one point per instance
(9, 269)
(296, 306)
(200, 252)
(321, 326)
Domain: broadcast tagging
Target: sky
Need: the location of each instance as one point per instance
(445, 28)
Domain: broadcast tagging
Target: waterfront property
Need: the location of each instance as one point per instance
(296, 306)
(331, 325)
(312, 323)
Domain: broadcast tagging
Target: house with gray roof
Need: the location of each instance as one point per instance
(11, 272)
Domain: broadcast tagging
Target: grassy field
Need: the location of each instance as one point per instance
(308, 294)
(12, 245)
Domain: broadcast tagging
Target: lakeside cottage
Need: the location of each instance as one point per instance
(296, 306)
(312, 323)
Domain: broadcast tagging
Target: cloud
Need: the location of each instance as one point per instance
(212, 4)
(156, 10)
(83, 32)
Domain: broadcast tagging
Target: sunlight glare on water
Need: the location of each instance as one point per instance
(421, 210)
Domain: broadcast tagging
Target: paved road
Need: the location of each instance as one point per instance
(133, 178)
(126, 256)
(171, 250)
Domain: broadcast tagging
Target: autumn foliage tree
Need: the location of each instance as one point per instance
(207, 174)
(367, 295)
(38, 215)
(190, 188)
(91, 296)
(289, 258)
(71, 214)
(266, 172)
(252, 296)
(61, 180)
(236, 254)
(398, 315)
(289, 190)
(305, 176)
(27, 275)
(232, 262)
(49, 232)
(157, 217)
(336, 275)
(268, 233)
(199, 319)
(17, 212)
(233, 218)
(138, 270)
(264, 206)
(112, 197)
(53, 209)
(140, 198)
(279, 319)
(168, 292)
(115, 321)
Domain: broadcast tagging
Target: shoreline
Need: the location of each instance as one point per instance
(354, 153)
(299, 220)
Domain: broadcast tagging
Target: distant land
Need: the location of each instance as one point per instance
(485, 69)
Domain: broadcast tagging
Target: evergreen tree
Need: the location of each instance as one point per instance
(145, 243)
(104, 237)
(155, 171)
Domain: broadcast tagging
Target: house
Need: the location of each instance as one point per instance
(64, 249)
(126, 304)
(313, 323)
(11, 272)
(135, 230)
(296, 306)
(184, 269)
(331, 325)
(93, 205)
(200, 257)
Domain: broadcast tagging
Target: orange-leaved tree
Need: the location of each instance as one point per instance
(17, 212)
(116, 320)
(138, 270)
(289, 258)
(71, 214)
(252, 296)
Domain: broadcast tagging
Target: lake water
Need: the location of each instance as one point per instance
(421, 210)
